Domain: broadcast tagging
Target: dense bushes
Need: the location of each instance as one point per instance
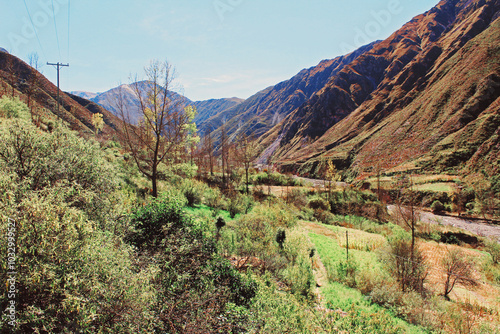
(12, 107)
(40, 161)
(72, 275)
(75, 273)
(364, 204)
(194, 284)
(267, 240)
(274, 179)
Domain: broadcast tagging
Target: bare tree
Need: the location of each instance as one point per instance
(224, 145)
(162, 130)
(12, 75)
(459, 270)
(246, 151)
(407, 214)
(209, 147)
(407, 264)
(34, 78)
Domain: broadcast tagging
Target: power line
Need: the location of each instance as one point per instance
(55, 27)
(34, 29)
(69, 12)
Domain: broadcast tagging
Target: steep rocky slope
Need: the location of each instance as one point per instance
(210, 108)
(269, 107)
(425, 97)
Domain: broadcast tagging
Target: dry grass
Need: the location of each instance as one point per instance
(484, 295)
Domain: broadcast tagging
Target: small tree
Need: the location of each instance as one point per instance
(246, 151)
(407, 264)
(332, 175)
(280, 238)
(459, 270)
(493, 247)
(33, 81)
(407, 214)
(97, 122)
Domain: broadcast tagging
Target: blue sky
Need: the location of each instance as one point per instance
(220, 48)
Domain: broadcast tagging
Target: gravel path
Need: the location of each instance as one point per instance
(480, 228)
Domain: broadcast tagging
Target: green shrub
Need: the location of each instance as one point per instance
(177, 173)
(42, 160)
(346, 273)
(239, 203)
(297, 197)
(325, 217)
(437, 207)
(72, 272)
(470, 207)
(359, 320)
(13, 107)
(319, 203)
(194, 284)
(193, 191)
(161, 215)
(493, 247)
(274, 179)
(214, 198)
(279, 312)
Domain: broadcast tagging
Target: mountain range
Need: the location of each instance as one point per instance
(109, 99)
(427, 98)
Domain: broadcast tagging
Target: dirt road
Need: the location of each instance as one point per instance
(480, 228)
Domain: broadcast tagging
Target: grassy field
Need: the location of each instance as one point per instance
(437, 183)
(340, 298)
(203, 211)
(436, 187)
(478, 304)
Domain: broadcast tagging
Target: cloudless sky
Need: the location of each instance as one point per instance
(220, 48)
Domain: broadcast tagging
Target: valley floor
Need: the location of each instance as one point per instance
(480, 228)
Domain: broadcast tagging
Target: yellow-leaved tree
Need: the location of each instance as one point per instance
(97, 122)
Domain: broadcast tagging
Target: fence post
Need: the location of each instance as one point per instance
(347, 244)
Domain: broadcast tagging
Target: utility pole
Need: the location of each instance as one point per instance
(58, 66)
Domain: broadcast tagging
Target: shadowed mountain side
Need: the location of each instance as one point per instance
(209, 108)
(429, 91)
(269, 107)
